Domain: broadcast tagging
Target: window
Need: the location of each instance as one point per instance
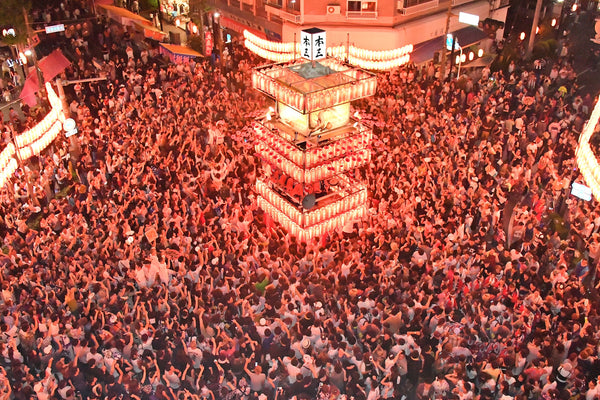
(362, 6)
(293, 5)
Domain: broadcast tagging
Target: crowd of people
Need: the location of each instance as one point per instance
(138, 265)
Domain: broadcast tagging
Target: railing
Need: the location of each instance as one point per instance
(361, 14)
(295, 18)
(406, 7)
(500, 4)
(275, 9)
(273, 4)
(459, 2)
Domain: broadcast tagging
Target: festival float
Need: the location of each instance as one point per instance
(309, 143)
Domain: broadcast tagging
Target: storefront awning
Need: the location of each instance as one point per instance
(152, 32)
(178, 54)
(239, 27)
(466, 37)
(122, 15)
(51, 65)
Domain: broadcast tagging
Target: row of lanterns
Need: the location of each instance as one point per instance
(269, 55)
(363, 58)
(316, 155)
(275, 47)
(316, 216)
(380, 55)
(319, 173)
(8, 163)
(341, 94)
(375, 65)
(35, 140)
(305, 234)
(586, 159)
(42, 142)
(31, 135)
(461, 58)
(364, 86)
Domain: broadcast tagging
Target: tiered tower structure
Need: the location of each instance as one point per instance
(311, 146)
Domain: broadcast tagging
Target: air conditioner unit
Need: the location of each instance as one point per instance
(333, 10)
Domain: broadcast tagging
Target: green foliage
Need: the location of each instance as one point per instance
(148, 4)
(545, 48)
(199, 7)
(503, 60)
(11, 16)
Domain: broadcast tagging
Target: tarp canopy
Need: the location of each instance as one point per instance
(178, 54)
(122, 15)
(51, 65)
(466, 37)
(239, 27)
(151, 32)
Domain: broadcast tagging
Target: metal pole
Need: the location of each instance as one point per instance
(348, 47)
(452, 55)
(443, 55)
(459, 62)
(40, 76)
(536, 20)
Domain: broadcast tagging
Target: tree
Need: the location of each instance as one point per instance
(11, 16)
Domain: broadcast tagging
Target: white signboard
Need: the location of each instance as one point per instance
(70, 127)
(581, 191)
(313, 44)
(55, 28)
(470, 19)
(449, 40)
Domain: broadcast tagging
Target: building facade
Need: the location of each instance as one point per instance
(368, 24)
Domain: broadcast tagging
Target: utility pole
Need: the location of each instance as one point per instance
(40, 77)
(536, 20)
(443, 55)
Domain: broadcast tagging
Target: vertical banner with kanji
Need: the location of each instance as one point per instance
(313, 44)
(208, 43)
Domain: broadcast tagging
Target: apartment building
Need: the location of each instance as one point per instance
(368, 24)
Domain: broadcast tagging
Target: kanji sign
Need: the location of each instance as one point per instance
(208, 43)
(313, 44)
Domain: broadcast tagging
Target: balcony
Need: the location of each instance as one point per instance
(361, 14)
(284, 15)
(410, 7)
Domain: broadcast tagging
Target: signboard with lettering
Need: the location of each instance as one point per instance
(70, 127)
(55, 28)
(313, 44)
(470, 19)
(581, 191)
(449, 39)
(208, 43)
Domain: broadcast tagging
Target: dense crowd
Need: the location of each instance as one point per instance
(142, 268)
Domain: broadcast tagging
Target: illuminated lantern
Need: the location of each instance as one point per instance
(522, 36)
(480, 53)
(471, 56)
